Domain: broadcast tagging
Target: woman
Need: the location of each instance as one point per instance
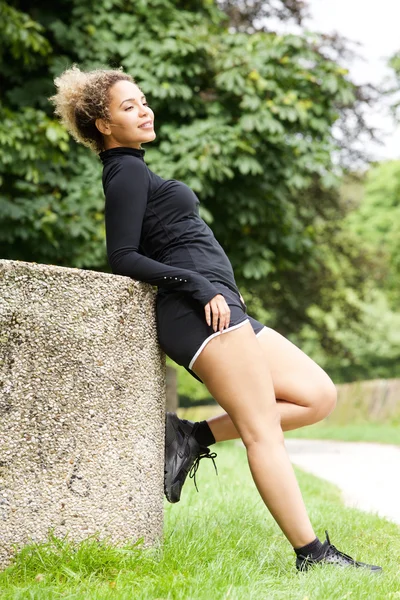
(154, 234)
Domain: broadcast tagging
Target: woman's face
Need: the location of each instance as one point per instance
(131, 120)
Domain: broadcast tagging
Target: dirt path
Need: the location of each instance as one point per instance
(368, 474)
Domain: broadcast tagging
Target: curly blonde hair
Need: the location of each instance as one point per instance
(81, 98)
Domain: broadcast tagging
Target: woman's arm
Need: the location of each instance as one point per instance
(126, 201)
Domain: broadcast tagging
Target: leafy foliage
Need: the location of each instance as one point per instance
(372, 343)
(394, 63)
(244, 16)
(377, 221)
(244, 118)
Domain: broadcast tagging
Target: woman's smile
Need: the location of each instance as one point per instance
(147, 125)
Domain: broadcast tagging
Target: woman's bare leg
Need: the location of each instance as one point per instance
(233, 368)
(305, 393)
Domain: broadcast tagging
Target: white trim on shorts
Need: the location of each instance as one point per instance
(210, 337)
(265, 328)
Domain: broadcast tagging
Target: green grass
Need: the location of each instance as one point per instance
(219, 544)
(384, 433)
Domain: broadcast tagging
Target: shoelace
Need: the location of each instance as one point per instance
(330, 550)
(202, 454)
(333, 550)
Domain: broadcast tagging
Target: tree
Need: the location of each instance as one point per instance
(246, 16)
(394, 63)
(376, 222)
(372, 203)
(245, 119)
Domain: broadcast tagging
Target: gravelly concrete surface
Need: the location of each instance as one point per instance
(367, 473)
(81, 373)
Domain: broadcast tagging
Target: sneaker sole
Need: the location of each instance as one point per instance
(170, 491)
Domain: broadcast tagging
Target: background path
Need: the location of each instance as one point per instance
(367, 473)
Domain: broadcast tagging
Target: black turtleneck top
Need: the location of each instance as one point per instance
(154, 232)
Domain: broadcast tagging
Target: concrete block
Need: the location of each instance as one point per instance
(82, 405)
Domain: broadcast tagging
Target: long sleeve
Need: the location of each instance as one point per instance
(126, 200)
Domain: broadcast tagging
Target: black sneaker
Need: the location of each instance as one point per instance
(182, 455)
(333, 556)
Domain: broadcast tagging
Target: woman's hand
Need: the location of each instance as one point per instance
(220, 310)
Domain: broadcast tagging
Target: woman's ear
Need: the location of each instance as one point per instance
(103, 126)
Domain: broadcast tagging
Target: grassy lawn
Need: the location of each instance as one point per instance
(219, 544)
(353, 432)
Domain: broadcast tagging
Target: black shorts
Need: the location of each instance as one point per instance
(182, 328)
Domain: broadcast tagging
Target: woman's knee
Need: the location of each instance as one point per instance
(259, 429)
(323, 397)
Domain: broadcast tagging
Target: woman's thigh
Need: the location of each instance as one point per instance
(296, 377)
(232, 367)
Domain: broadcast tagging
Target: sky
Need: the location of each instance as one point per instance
(375, 25)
